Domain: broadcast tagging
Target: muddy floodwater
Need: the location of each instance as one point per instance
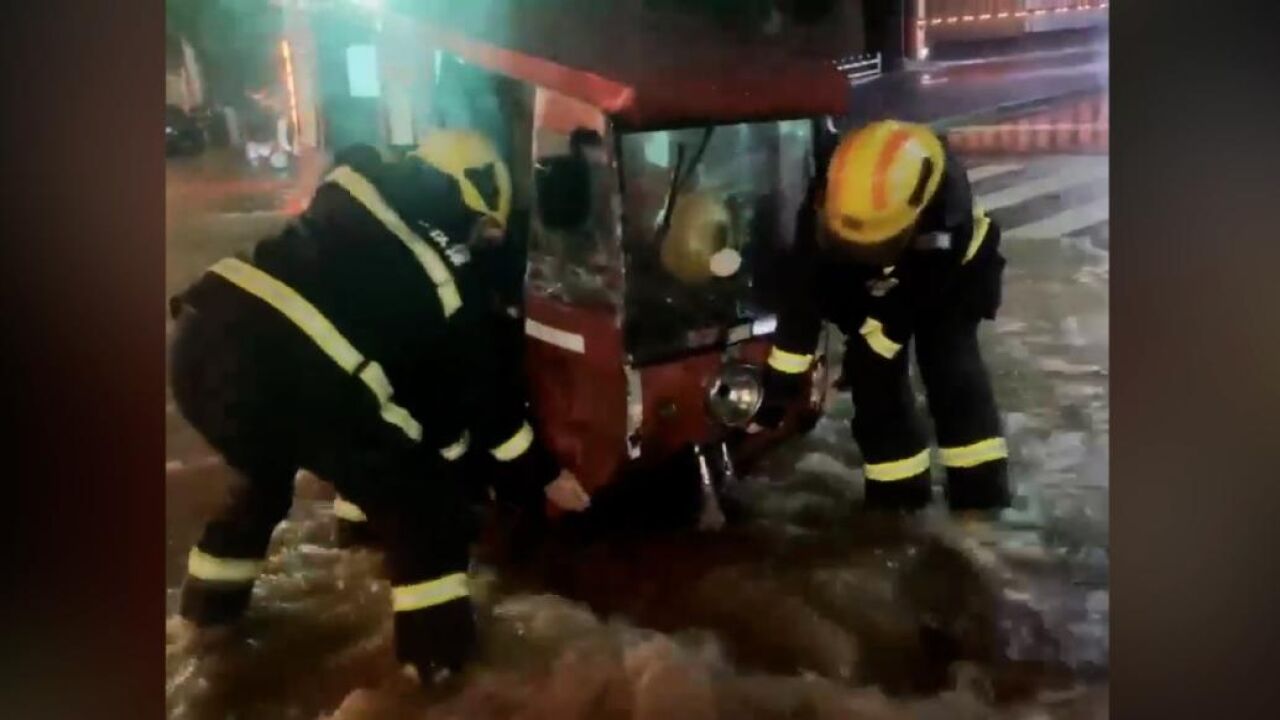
(805, 607)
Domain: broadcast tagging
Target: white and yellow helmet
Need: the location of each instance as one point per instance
(472, 160)
(699, 243)
(880, 179)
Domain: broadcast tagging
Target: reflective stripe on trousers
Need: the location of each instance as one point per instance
(203, 566)
(974, 454)
(902, 469)
(327, 337)
(967, 456)
(419, 596)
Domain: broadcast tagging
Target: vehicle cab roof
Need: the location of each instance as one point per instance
(643, 72)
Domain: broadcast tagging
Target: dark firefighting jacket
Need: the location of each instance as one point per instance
(951, 267)
(397, 300)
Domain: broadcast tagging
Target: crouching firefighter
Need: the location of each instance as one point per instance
(892, 250)
(356, 344)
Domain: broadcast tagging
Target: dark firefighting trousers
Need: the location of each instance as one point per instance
(263, 396)
(894, 444)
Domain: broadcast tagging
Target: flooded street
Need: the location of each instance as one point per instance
(805, 607)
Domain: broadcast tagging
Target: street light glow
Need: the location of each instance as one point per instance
(286, 51)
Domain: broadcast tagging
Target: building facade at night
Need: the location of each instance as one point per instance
(367, 70)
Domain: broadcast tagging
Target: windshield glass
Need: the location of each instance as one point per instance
(698, 263)
(574, 252)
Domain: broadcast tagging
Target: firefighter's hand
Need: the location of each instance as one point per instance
(567, 493)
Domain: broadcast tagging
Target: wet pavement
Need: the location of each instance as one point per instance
(805, 607)
(942, 92)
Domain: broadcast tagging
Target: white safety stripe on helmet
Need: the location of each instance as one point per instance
(407, 598)
(898, 469)
(317, 327)
(516, 445)
(202, 566)
(367, 195)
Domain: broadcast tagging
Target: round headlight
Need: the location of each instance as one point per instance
(735, 395)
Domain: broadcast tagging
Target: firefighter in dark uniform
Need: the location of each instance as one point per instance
(357, 344)
(892, 250)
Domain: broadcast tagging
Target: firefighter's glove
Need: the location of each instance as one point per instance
(566, 493)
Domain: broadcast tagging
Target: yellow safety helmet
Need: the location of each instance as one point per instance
(879, 180)
(473, 161)
(698, 245)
